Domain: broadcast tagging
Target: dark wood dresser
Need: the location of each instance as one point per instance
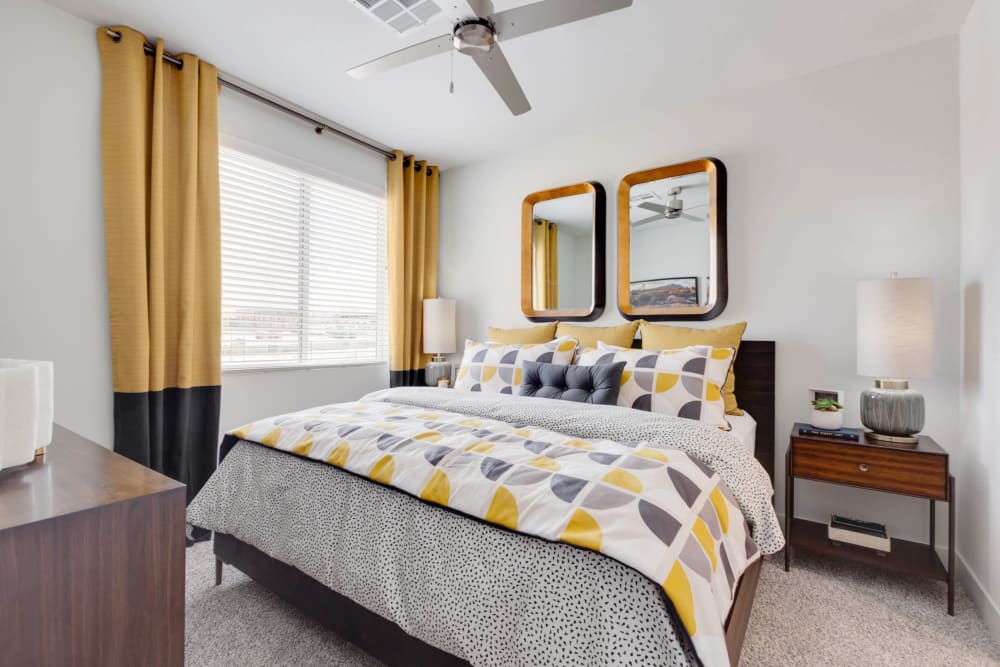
(91, 560)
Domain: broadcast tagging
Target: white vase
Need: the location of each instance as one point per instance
(828, 421)
(26, 410)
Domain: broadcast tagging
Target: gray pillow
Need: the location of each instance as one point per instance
(597, 384)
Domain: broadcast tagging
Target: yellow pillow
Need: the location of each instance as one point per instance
(621, 335)
(543, 333)
(666, 337)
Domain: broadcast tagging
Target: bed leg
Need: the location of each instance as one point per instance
(218, 572)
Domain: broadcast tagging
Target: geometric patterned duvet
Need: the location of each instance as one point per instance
(661, 512)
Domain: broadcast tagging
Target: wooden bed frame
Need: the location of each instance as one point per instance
(387, 642)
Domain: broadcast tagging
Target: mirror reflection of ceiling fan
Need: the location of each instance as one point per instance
(476, 35)
(674, 209)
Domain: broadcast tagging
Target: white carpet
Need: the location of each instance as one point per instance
(821, 613)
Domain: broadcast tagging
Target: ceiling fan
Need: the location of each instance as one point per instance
(475, 34)
(672, 210)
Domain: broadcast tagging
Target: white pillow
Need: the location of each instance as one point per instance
(498, 367)
(684, 383)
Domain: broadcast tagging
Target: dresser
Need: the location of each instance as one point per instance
(91, 560)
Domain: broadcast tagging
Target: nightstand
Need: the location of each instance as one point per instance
(919, 470)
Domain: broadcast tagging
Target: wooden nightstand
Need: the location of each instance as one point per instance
(919, 470)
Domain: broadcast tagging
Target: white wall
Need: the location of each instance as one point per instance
(53, 293)
(682, 246)
(841, 175)
(53, 289)
(978, 457)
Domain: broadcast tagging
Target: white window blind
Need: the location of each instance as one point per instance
(303, 268)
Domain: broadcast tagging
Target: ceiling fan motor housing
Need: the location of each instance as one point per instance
(474, 36)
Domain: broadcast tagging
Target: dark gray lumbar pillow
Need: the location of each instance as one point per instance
(597, 384)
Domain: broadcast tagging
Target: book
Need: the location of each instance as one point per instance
(862, 533)
(848, 434)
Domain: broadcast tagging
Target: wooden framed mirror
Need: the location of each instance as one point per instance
(672, 242)
(562, 253)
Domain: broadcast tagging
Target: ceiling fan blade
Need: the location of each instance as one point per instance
(477, 7)
(659, 208)
(646, 221)
(692, 218)
(496, 68)
(410, 54)
(549, 14)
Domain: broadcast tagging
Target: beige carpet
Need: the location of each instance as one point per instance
(821, 613)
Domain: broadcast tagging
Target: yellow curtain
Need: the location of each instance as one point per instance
(160, 143)
(412, 217)
(545, 264)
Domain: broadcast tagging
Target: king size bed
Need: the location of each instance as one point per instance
(438, 527)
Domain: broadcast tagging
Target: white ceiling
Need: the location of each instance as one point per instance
(575, 76)
(574, 213)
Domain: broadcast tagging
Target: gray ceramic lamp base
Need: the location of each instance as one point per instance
(892, 411)
(436, 370)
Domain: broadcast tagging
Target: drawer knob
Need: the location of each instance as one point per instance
(863, 467)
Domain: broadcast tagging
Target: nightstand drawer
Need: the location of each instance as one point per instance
(901, 471)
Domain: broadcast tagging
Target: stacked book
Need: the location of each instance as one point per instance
(855, 531)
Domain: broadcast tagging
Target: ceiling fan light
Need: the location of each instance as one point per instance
(474, 36)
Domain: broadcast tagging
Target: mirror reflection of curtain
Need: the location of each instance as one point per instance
(545, 260)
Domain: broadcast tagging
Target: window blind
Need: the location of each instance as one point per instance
(303, 268)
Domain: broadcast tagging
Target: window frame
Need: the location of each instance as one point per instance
(308, 168)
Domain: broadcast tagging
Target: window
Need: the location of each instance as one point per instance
(303, 268)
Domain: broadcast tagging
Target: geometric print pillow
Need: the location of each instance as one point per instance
(498, 368)
(683, 383)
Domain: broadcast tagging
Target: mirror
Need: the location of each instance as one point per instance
(672, 242)
(562, 253)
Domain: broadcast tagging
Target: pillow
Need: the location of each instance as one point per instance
(683, 383)
(665, 337)
(497, 368)
(543, 333)
(621, 335)
(582, 384)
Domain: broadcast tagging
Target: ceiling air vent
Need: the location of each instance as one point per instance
(400, 16)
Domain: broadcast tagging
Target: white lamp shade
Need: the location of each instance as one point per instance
(896, 328)
(26, 410)
(439, 326)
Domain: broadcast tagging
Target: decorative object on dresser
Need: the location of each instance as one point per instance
(26, 410)
(562, 253)
(895, 341)
(672, 222)
(91, 560)
(439, 339)
(920, 471)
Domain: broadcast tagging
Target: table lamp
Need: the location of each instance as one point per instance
(895, 344)
(439, 338)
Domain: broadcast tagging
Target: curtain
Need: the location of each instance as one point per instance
(412, 217)
(160, 145)
(545, 264)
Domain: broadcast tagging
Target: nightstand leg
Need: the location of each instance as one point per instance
(789, 509)
(218, 572)
(933, 518)
(951, 545)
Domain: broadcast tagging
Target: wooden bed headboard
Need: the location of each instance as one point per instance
(754, 370)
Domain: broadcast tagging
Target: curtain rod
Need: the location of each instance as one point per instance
(321, 126)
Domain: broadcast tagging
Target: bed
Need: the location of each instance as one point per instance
(549, 601)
